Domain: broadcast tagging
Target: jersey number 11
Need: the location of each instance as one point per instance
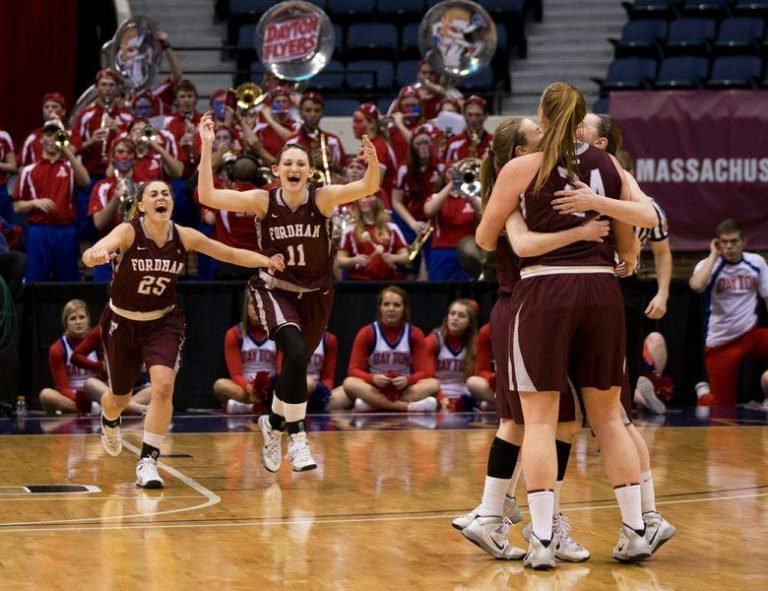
(292, 262)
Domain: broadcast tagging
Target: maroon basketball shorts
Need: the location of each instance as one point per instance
(309, 311)
(128, 344)
(562, 319)
(507, 400)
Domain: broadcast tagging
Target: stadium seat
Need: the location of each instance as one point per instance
(503, 10)
(400, 9)
(480, 82)
(409, 41)
(338, 48)
(340, 107)
(246, 37)
(601, 106)
(350, 11)
(630, 73)
(752, 8)
(740, 35)
(641, 38)
(682, 72)
(707, 8)
(238, 7)
(406, 72)
(257, 72)
(372, 40)
(638, 9)
(331, 78)
(372, 75)
(735, 71)
(690, 36)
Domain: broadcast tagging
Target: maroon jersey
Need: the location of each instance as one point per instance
(302, 236)
(507, 266)
(145, 277)
(595, 168)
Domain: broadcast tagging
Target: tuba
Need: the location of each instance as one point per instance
(248, 95)
(465, 177)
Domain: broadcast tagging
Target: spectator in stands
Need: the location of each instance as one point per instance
(366, 120)
(69, 394)
(474, 141)
(165, 92)
(389, 368)
(183, 124)
(311, 137)
(423, 175)
(275, 122)
(46, 193)
(88, 356)
(433, 90)
(452, 347)
(145, 105)
(321, 368)
(372, 245)
(99, 123)
(7, 167)
(455, 215)
(251, 358)
(155, 157)
(407, 115)
(730, 279)
(218, 103)
(13, 264)
(54, 107)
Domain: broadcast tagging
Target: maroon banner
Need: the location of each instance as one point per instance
(703, 155)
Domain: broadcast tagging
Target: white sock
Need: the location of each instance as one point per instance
(294, 412)
(153, 439)
(540, 505)
(515, 477)
(556, 497)
(278, 406)
(630, 505)
(647, 492)
(493, 496)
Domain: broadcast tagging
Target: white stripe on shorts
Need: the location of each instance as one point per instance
(260, 309)
(578, 415)
(523, 382)
(278, 312)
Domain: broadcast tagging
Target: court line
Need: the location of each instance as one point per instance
(39, 498)
(212, 499)
(311, 521)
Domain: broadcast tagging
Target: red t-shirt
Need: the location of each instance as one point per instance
(53, 180)
(455, 220)
(377, 269)
(88, 122)
(388, 161)
(333, 146)
(419, 185)
(31, 150)
(459, 145)
(233, 228)
(102, 193)
(270, 139)
(485, 366)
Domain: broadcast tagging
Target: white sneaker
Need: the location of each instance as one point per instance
(428, 404)
(362, 406)
(539, 557)
(298, 451)
(646, 394)
(566, 548)
(492, 535)
(111, 439)
(272, 452)
(631, 546)
(146, 474)
(235, 407)
(511, 512)
(658, 530)
(764, 404)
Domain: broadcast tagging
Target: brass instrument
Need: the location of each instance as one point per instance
(474, 142)
(465, 177)
(104, 117)
(127, 198)
(418, 243)
(61, 139)
(148, 135)
(248, 95)
(317, 177)
(324, 152)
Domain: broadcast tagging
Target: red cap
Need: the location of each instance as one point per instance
(312, 96)
(474, 305)
(279, 91)
(107, 72)
(451, 101)
(216, 93)
(476, 100)
(370, 110)
(407, 91)
(56, 97)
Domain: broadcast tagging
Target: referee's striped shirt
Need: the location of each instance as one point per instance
(659, 232)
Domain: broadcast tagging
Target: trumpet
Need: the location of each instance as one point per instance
(248, 95)
(128, 197)
(324, 152)
(418, 243)
(465, 177)
(148, 135)
(61, 139)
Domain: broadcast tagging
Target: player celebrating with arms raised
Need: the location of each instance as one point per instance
(141, 324)
(293, 305)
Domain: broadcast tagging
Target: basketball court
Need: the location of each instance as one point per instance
(376, 514)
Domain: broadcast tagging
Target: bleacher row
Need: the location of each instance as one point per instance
(376, 49)
(689, 44)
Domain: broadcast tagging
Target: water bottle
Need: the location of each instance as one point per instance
(21, 406)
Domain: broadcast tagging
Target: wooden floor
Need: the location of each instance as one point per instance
(375, 515)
